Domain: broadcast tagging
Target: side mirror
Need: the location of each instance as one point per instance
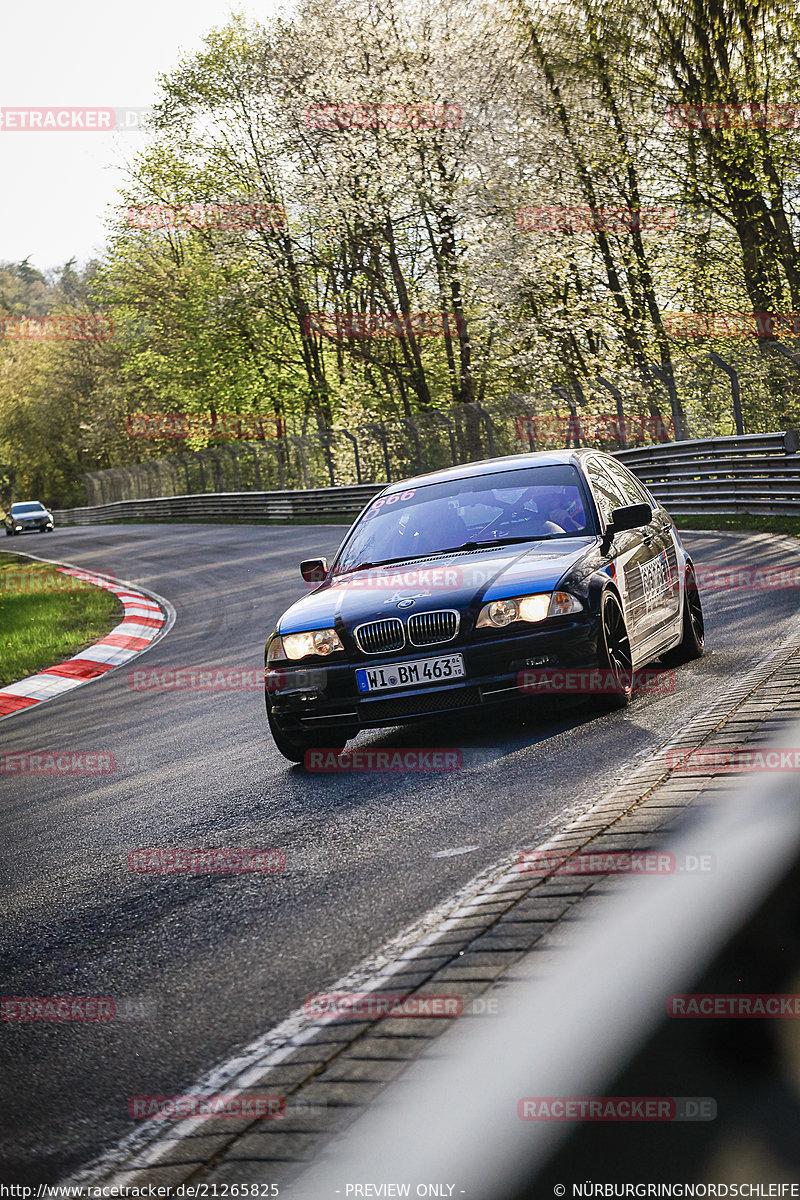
(314, 570)
(630, 516)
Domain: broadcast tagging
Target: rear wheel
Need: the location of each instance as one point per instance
(693, 641)
(295, 747)
(615, 655)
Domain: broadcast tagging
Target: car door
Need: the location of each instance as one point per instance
(634, 552)
(661, 580)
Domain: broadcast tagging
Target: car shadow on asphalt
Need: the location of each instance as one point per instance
(481, 738)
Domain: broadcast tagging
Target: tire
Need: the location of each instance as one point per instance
(614, 654)
(693, 640)
(295, 748)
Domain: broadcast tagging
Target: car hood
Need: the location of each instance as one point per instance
(453, 580)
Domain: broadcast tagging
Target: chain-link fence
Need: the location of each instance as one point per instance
(611, 415)
(373, 452)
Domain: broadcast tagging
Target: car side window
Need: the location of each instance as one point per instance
(631, 488)
(607, 492)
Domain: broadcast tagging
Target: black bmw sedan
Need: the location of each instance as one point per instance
(28, 517)
(478, 585)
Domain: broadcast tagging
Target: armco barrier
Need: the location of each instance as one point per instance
(755, 473)
(255, 506)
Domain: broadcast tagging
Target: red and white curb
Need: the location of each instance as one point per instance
(147, 618)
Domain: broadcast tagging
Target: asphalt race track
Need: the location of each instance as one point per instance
(199, 965)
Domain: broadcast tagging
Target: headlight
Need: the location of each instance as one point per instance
(499, 613)
(315, 641)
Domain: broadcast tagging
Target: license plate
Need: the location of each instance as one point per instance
(406, 674)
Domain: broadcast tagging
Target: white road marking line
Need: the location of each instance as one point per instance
(453, 852)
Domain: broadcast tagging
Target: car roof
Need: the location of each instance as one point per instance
(490, 466)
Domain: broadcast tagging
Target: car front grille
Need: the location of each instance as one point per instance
(377, 637)
(412, 706)
(430, 628)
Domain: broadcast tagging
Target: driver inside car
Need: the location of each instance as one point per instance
(432, 526)
(562, 507)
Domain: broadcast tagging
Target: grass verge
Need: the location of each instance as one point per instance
(46, 617)
(723, 521)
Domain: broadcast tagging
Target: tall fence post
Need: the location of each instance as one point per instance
(665, 376)
(351, 438)
(381, 430)
(736, 394)
(617, 394)
(415, 436)
(324, 437)
(450, 430)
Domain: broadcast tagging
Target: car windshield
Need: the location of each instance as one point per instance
(481, 510)
(19, 510)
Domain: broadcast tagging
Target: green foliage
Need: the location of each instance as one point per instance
(567, 108)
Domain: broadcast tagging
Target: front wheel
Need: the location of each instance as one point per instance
(614, 653)
(693, 641)
(296, 747)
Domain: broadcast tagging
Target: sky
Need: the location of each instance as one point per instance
(57, 188)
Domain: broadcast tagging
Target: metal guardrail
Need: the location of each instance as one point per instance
(258, 506)
(754, 473)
